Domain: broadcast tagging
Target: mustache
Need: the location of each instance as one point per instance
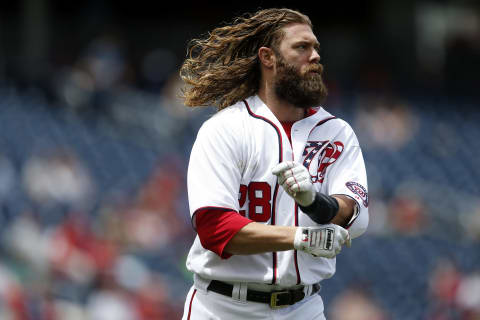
(317, 68)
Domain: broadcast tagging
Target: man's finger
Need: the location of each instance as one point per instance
(337, 251)
(346, 237)
(296, 171)
(349, 241)
(290, 182)
(303, 184)
(282, 166)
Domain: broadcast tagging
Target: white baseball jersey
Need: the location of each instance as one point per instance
(231, 167)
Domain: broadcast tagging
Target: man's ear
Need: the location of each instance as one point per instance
(266, 56)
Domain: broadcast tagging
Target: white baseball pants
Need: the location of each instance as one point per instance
(208, 305)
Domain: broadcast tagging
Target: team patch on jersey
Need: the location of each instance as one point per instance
(359, 190)
(318, 155)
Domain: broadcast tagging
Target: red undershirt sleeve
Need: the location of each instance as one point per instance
(216, 226)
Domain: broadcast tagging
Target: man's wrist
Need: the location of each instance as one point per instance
(306, 199)
(300, 235)
(323, 208)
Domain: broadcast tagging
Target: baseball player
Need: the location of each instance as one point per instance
(276, 184)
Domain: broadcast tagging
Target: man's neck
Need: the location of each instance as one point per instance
(282, 110)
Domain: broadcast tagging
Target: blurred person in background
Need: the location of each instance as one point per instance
(90, 86)
(58, 176)
(454, 294)
(355, 304)
(385, 121)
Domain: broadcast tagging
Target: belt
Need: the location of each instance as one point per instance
(276, 299)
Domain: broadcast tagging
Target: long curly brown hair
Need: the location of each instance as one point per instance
(223, 67)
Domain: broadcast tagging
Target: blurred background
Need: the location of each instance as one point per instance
(94, 146)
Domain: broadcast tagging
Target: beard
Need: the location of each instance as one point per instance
(302, 90)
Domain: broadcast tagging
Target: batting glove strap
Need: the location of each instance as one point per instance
(325, 241)
(323, 209)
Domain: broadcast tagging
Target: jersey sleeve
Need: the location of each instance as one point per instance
(348, 177)
(214, 170)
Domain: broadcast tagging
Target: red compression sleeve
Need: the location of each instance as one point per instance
(215, 228)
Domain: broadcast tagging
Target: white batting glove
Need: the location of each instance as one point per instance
(296, 181)
(325, 241)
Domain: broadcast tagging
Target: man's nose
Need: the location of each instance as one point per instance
(315, 57)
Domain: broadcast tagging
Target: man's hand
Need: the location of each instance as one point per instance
(325, 241)
(296, 181)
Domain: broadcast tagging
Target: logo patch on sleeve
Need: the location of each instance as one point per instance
(359, 190)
